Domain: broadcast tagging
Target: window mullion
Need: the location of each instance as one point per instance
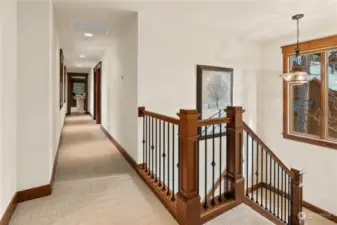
(324, 98)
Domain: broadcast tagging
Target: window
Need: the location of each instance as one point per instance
(310, 110)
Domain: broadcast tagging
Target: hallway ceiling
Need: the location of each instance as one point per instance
(258, 20)
(72, 21)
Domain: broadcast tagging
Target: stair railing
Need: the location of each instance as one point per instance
(172, 170)
(269, 184)
(180, 167)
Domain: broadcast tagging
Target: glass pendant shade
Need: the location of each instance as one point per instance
(297, 77)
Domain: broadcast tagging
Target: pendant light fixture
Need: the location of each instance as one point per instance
(296, 76)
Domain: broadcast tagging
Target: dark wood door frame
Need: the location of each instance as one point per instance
(97, 92)
(71, 79)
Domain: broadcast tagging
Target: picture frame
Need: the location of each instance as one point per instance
(214, 94)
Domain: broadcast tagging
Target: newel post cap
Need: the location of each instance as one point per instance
(188, 112)
(297, 171)
(141, 111)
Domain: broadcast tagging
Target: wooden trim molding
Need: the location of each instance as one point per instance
(307, 205)
(312, 45)
(164, 199)
(52, 178)
(313, 141)
(128, 158)
(316, 45)
(9, 211)
(262, 211)
(32, 193)
(320, 211)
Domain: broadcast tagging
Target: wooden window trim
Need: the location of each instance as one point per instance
(316, 45)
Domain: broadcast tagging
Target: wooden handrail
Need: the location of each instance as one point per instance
(213, 121)
(142, 112)
(264, 146)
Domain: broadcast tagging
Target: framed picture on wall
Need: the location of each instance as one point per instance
(214, 94)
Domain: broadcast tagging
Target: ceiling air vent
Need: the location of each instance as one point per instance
(89, 27)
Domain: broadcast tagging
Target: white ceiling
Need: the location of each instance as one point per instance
(75, 44)
(259, 20)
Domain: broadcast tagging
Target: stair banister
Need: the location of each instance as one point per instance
(234, 149)
(188, 198)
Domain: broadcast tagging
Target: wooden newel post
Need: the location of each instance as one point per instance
(141, 111)
(297, 197)
(188, 199)
(234, 151)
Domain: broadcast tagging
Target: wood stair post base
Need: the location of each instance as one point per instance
(188, 211)
(239, 189)
(297, 197)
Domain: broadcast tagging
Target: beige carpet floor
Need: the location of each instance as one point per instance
(95, 186)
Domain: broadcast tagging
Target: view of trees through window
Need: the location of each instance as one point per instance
(78, 88)
(306, 108)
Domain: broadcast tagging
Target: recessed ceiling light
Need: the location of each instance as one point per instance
(79, 65)
(81, 56)
(88, 34)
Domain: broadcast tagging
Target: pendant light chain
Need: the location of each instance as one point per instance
(298, 33)
(297, 76)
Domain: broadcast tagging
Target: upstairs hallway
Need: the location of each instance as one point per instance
(95, 185)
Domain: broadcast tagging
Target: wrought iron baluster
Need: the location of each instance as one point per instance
(220, 159)
(206, 197)
(173, 165)
(285, 197)
(289, 199)
(164, 156)
(160, 157)
(252, 188)
(156, 152)
(266, 205)
(152, 148)
(274, 213)
(179, 155)
(262, 150)
(270, 187)
(168, 159)
(150, 135)
(144, 130)
(282, 195)
(227, 193)
(278, 190)
(247, 150)
(257, 173)
(213, 165)
(147, 144)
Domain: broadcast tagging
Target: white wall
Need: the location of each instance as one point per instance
(168, 54)
(119, 95)
(39, 116)
(8, 107)
(58, 114)
(320, 178)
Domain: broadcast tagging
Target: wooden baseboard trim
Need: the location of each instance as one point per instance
(307, 205)
(161, 195)
(33, 193)
(52, 177)
(262, 211)
(209, 214)
(320, 211)
(126, 155)
(9, 211)
(163, 198)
